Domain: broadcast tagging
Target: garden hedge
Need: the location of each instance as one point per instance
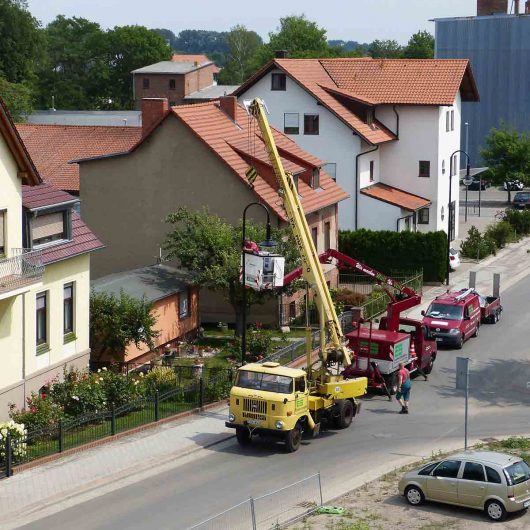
(389, 251)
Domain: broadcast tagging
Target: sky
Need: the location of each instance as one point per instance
(360, 20)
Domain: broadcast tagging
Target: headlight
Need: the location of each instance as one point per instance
(454, 331)
(279, 425)
(231, 417)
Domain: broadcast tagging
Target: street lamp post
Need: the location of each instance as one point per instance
(267, 243)
(450, 208)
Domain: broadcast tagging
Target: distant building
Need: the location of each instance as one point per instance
(186, 78)
(498, 47)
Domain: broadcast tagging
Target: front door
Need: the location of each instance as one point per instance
(472, 485)
(301, 395)
(443, 484)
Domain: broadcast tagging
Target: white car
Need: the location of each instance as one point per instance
(454, 259)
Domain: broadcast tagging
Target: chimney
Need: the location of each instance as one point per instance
(527, 7)
(281, 54)
(228, 105)
(153, 109)
(492, 7)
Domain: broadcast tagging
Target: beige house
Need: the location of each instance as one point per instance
(196, 156)
(44, 275)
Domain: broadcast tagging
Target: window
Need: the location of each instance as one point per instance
(315, 178)
(183, 304)
(331, 169)
(447, 121)
(427, 469)
(423, 216)
(2, 233)
(372, 163)
(278, 82)
(370, 117)
(314, 236)
(172, 84)
(47, 228)
(310, 123)
(42, 319)
(299, 384)
(425, 168)
(473, 471)
(295, 180)
(291, 123)
(145, 82)
(292, 310)
(443, 167)
(454, 162)
(517, 473)
(493, 476)
(452, 120)
(327, 236)
(448, 468)
(68, 308)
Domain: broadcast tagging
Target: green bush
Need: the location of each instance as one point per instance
(519, 220)
(161, 378)
(387, 251)
(18, 433)
(40, 413)
(259, 344)
(500, 233)
(476, 246)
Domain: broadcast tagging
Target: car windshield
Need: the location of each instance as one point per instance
(445, 312)
(518, 472)
(268, 382)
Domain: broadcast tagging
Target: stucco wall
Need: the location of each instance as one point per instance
(335, 142)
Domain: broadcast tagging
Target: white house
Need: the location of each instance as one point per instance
(385, 127)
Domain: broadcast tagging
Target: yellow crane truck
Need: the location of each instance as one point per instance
(270, 399)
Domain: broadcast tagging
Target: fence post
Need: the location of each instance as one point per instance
(156, 406)
(112, 419)
(201, 392)
(9, 455)
(61, 436)
(253, 513)
(320, 489)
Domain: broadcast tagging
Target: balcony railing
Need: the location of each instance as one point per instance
(22, 269)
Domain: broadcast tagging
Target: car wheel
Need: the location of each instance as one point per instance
(414, 496)
(243, 436)
(495, 510)
(477, 331)
(293, 440)
(460, 343)
(428, 369)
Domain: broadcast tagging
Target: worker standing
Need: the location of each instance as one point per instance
(404, 386)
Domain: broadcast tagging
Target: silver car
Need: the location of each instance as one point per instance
(497, 483)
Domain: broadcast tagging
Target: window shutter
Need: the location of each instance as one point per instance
(47, 225)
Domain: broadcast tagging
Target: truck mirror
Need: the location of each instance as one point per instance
(422, 313)
(285, 401)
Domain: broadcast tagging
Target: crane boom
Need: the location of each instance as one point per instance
(335, 350)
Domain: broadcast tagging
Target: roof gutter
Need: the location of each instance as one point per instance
(357, 183)
(49, 207)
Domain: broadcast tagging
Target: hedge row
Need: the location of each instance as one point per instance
(389, 251)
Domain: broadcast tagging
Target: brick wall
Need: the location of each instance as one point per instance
(198, 79)
(488, 7)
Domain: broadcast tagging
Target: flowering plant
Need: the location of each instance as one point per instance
(18, 439)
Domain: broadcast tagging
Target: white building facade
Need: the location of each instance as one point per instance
(393, 159)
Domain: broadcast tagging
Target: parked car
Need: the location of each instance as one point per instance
(513, 185)
(454, 259)
(521, 199)
(474, 186)
(497, 483)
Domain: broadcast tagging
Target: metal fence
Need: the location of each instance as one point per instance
(271, 511)
(191, 392)
(23, 268)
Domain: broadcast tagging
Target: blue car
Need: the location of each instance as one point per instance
(521, 199)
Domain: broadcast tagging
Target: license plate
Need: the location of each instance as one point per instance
(526, 504)
(254, 422)
(439, 339)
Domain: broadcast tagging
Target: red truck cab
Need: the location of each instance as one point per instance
(453, 317)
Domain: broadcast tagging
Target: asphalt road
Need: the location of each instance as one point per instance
(224, 475)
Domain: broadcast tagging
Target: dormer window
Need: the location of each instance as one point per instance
(370, 117)
(50, 227)
(315, 178)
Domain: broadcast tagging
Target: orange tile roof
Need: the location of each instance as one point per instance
(201, 59)
(395, 196)
(374, 82)
(220, 134)
(400, 81)
(52, 146)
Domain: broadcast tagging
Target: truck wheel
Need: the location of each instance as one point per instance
(293, 439)
(391, 383)
(428, 369)
(344, 414)
(243, 436)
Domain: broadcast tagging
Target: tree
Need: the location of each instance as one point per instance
(242, 45)
(385, 49)
(507, 154)
(167, 35)
(211, 248)
(75, 69)
(17, 97)
(420, 46)
(116, 322)
(301, 37)
(129, 48)
(20, 41)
